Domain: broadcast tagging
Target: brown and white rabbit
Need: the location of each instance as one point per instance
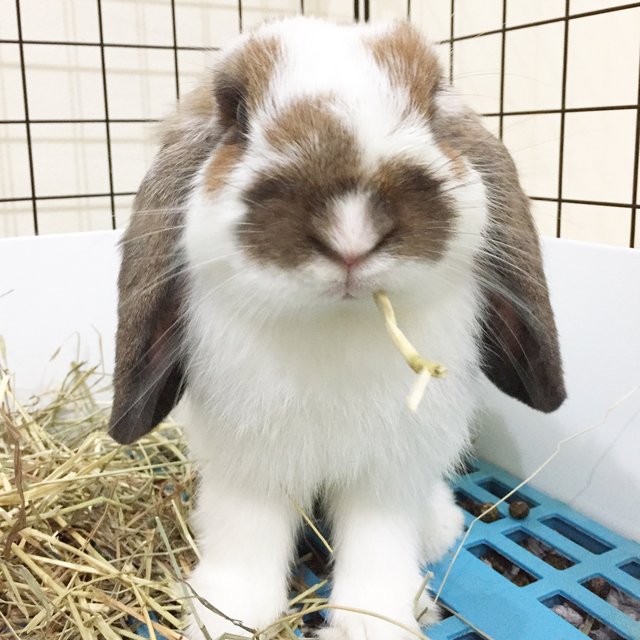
(317, 164)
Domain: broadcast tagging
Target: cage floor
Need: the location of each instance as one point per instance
(512, 576)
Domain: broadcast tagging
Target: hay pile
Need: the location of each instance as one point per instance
(93, 534)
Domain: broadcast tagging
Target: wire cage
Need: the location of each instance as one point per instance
(544, 84)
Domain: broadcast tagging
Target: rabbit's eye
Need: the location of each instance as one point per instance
(231, 100)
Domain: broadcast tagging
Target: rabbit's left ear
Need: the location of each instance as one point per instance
(520, 350)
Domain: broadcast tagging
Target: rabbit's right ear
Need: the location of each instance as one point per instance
(519, 341)
(149, 374)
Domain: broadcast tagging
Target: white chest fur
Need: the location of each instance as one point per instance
(306, 401)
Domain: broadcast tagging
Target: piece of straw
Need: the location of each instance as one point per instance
(426, 369)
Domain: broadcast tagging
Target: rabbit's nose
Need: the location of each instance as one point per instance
(351, 260)
(346, 258)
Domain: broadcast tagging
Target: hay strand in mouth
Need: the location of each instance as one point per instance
(426, 369)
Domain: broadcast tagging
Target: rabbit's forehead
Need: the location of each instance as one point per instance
(338, 89)
(314, 56)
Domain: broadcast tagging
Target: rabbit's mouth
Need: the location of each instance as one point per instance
(351, 288)
(349, 294)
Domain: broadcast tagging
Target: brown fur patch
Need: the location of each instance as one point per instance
(195, 107)
(259, 57)
(306, 123)
(287, 205)
(456, 160)
(225, 157)
(290, 208)
(242, 80)
(411, 64)
(423, 218)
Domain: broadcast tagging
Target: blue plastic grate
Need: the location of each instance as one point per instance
(505, 611)
(581, 549)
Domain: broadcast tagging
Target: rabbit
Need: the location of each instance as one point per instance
(316, 164)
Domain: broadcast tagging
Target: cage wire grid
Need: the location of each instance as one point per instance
(361, 12)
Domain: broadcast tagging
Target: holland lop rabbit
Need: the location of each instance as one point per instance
(315, 165)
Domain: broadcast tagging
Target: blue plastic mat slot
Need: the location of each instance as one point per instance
(500, 490)
(632, 568)
(574, 534)
(503, 565)
(592, 623)
(546, 552)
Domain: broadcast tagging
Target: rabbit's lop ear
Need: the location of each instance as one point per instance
(521, 355)
(149, 375)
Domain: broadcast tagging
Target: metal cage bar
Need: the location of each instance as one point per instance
(27, 122)
(107, 122)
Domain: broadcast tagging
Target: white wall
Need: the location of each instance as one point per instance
(57, 293)
(58, 288)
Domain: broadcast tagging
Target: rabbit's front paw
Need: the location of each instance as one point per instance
(231, 605)
(351, 626)
(215, 627)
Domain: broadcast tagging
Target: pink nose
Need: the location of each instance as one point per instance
(350, 260)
